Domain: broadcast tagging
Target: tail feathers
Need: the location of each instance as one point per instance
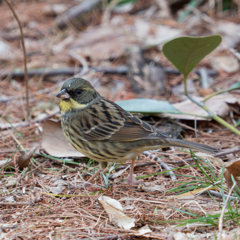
(187, 144)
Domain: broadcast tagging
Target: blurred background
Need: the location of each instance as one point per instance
(117, 46)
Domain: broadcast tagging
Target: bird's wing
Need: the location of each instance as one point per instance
(106, 121)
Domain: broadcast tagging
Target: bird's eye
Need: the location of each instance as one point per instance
(78, 91)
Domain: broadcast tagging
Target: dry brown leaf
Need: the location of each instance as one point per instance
(191, 194)
(22, 161)
(150, 187)
(216, 161)
(56, 190)
(205, 91)
(6, 52)
(10, 181)
(216, 104)
(10, 199)
(142, 231)
(115, 213)
(234, 170)
(119, 173)
(180, 236)
(225, 63)
(55, 143)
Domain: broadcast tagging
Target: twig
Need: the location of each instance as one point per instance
(220, 225)
(204, 77)
(65, 71)
(16, 203)
(235, 53)
(114, 237)
(71, 71)
(219, 195)
(82, 61)
(8, 227)
(26, 124)
(107, 12)
(163, 164)
(219, 154)
(94, 175)
(24, 56)
(136, 166)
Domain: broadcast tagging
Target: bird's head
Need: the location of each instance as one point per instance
(75, 94)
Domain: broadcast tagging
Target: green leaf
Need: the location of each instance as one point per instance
(234, 86)
(237, 123)
(145, 105)
(126, 1)
(186, 52)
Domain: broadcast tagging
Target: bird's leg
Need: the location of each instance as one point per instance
(103, 166)
(131, 179)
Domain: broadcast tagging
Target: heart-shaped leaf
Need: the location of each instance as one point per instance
(186, 52)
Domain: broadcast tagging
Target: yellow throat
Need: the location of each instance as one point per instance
(69, 105)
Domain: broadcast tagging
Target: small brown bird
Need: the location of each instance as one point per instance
(105, 132)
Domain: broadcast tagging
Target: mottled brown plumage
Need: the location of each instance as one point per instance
(104, 131)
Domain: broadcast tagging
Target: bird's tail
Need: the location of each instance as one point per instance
(192, 145)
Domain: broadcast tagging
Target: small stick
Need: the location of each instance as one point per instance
(94, 175)
(219, 195)
(163, 164)
(220, 225)
(24, 56)
(8, 227)
(234, 150)
(16, 203)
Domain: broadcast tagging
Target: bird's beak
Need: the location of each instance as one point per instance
(63, 94)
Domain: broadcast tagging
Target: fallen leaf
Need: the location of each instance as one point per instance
(6, 52)
(54, 9)
(119, 173)
(216, 161)
(141, 231)
(216, 104)
(22, 161)
(162, 33)
(225, 63)
(180, 236)
(56, 190)
(115, 213)
(150, 187)
(234, 170)
(230, 33)
(191, 194)
(10, 199)
(10, 181)
(55, 143)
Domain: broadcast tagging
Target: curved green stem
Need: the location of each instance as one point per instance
(214, 94)
(225, 124)
(210, 113)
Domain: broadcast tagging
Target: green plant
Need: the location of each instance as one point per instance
(185, 53)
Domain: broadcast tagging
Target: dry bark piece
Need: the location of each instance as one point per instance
(55, 143)
(22, 161)
(234, 170)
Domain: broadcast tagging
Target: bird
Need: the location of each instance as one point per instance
(105, 132)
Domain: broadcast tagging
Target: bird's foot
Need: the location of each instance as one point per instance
(132, 181)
